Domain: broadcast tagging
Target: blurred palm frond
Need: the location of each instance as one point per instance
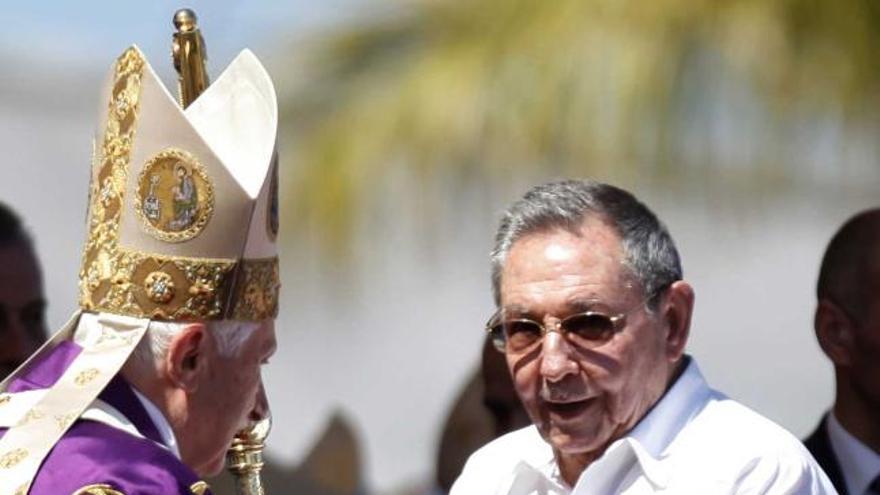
(489, 87)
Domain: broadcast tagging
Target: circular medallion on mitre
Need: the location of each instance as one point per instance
(175, 197)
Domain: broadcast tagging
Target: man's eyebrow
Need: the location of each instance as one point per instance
(515, 310)
(585, 304)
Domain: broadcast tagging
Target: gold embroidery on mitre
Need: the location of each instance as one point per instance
(256, 296)
(165, 287)
(100, 489)
(101, 254)
(199, 488)
(4, 399)
(12, 458)
(160, 287)
(174, 197)
(23, 489)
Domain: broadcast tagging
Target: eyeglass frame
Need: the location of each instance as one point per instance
(618, 321)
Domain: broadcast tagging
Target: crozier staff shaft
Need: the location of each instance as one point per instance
(189, 55)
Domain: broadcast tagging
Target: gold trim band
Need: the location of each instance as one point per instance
(184, 289)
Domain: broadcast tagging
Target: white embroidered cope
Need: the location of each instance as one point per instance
(107, 341)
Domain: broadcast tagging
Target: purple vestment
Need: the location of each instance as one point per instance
(95, 453)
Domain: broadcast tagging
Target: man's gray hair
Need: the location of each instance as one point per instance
(649, 251)
(229, 335)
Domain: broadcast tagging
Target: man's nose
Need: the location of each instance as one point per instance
(556, 362)
(261, 406)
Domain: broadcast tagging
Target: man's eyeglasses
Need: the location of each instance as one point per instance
(586, 330)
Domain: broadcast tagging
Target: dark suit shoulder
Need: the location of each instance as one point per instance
(820, 446)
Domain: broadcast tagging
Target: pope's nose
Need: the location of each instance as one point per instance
(261, 406)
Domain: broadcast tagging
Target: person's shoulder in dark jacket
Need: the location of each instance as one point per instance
(820, 446)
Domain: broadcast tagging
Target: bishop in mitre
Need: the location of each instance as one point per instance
(144, 388)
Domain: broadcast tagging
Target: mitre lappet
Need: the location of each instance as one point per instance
(182, 225)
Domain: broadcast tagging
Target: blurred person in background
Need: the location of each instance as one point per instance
(499, 396)
(486, 409)
(847, 323)
(593, 317)
(22, 304)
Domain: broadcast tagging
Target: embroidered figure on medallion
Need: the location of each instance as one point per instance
(175, 196)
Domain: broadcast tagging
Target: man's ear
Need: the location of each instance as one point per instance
(677, 310)
(834, 331)
(187, 355)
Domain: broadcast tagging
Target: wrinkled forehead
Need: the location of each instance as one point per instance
(561, 259)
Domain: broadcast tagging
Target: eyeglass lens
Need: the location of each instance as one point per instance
(585, 329)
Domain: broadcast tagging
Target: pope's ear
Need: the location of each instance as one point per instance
(187, 355)
(834, 331)
(676, 309)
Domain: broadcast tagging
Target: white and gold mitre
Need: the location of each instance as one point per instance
(183, 209)
(182, 222)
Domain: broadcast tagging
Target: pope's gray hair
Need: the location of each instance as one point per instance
(153, 347)
(649, 251)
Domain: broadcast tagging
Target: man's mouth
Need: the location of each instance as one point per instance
(569, 409)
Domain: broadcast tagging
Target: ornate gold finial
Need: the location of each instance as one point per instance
(245, 457)
(185, 20)
(199, 488)
(100, 489)
(189, 55)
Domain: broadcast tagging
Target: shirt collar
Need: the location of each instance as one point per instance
(653, 434)
(673, 411)
(860, 464)
(161, 423)
(651, 437)
(539, 459)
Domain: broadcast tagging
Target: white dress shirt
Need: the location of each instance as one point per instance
(859, 464)
(694, 441)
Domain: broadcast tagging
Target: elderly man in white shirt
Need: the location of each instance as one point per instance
(593, 317)
(847, 323)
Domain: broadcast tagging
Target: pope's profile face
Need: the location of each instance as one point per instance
(230, 397)
(581, 399)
